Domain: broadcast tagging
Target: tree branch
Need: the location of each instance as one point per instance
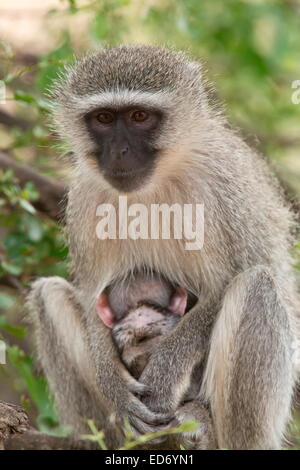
(15, 434)
(34, 440)
(52, 193)
(13, 282)
(13, 121)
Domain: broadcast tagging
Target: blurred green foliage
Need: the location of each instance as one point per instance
(32, 245)
(250, 49)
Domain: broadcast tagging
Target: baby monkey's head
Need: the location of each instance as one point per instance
(149, 308)
(139, 332)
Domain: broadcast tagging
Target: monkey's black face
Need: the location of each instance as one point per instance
(124, 141)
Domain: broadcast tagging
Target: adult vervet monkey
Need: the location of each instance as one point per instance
(139, 122)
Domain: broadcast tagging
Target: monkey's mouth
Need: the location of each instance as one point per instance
(126, 180)
(122, 173)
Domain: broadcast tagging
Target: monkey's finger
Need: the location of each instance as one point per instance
(140, 428)
(138, 409)
(135, 386)
(140, 389)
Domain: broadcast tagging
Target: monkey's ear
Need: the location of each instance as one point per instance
(104, 310)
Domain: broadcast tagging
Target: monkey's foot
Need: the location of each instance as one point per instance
(202, 437)
(13, 420)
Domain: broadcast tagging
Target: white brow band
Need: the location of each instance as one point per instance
(121, 98)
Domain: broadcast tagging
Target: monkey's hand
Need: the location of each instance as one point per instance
(170, 366)
(126, 393)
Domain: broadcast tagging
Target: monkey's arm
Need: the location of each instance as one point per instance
(82, 366)
(171, 365)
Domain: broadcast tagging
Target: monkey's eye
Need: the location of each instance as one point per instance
(139, 116)
(105, 117)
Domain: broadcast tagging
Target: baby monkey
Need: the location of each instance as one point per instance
(140, 311)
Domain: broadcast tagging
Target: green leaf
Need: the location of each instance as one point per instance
(33, 228)
(6, 175)
(36, 387)
(27, 206)
(11, 268)
(29, 192)
(18, 332)
(6, 301)
(20, 95)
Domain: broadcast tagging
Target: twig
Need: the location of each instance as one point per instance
(13, 121)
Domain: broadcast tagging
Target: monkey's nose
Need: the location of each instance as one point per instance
(123, 151)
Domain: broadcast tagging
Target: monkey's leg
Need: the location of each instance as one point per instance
(64, 357)
(77, 375)
(249, 376)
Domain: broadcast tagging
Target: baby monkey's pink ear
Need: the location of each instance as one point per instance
(104, 310)
(178, 301)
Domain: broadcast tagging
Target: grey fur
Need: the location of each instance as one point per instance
(243, 276)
